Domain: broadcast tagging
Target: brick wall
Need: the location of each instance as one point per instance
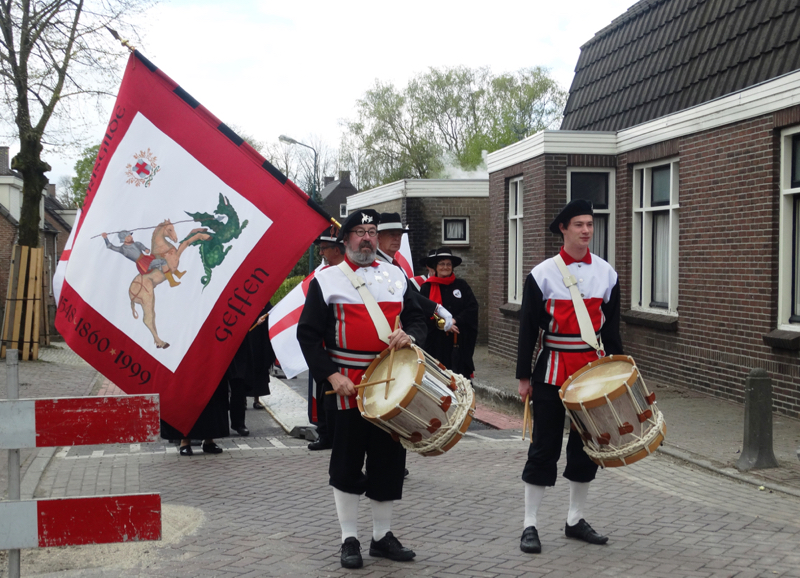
(728, 257)
(8, 235)
(728, 266)
(544, 193)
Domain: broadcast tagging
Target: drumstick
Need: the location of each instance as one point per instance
(391, 360)
(361, 385)
(524, 417)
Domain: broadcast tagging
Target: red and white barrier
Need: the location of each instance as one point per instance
(69, 421)
(74, 421)
(79, 521)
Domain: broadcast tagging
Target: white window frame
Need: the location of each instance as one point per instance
(516, 277)
(464, 241)
(786, 213)
(642, 244)
(342, 210)
(610, 211)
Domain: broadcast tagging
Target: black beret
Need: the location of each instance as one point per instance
(360, 217)
(572, 209)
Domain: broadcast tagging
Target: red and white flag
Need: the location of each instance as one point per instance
(174, 255)
(403, 257)
(283, 320)
(61, 268)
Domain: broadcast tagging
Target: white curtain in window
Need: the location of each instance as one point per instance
(598, 244)
(796, 260)
(513, 252)
(660, 290)
(456, 231)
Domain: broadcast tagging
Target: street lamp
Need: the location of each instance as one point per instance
(290, 141)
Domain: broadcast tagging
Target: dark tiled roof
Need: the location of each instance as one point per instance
(328, 189)
(663, 56)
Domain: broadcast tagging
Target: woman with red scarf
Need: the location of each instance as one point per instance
(455, 348)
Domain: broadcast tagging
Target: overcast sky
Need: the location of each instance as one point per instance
(296, 67)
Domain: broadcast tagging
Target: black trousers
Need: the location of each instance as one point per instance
(355, 439)
(545, 448)
(326, 418)
(238, 403)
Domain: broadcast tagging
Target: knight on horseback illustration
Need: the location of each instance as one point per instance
(139, 254)
(154, 266)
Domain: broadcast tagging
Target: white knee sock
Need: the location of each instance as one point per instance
(347, 510)
(533, 499)
(578, 491)
(381, 518)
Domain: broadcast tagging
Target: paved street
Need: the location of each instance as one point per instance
(263, 508)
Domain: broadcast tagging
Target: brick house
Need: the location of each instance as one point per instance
(683, 127)
(452, 213)
(334, 194)
(54, 230)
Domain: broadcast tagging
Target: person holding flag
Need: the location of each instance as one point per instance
(346, 322)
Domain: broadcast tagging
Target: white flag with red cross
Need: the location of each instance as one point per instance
(174, 254)
(283, 320)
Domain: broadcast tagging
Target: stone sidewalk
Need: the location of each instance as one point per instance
(263, 507)
(703, 430)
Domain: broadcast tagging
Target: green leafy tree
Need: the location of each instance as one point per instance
(443, 116)
(79, 184)
(52, 53)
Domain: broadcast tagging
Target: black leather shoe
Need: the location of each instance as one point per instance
(211, 448)
(258, 405)
(583, 531)
(351, 553)
(390, 547)
(241, 430)
(186, 451)
(405, 473)
(529, 543)
(320, 444)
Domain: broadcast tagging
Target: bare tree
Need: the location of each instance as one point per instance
(53, 55)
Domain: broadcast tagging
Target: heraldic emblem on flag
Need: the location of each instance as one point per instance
(164, 280)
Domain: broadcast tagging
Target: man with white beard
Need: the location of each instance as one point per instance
(339, 339)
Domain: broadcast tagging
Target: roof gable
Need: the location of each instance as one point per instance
(663, 56)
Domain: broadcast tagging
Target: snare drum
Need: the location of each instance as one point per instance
(616, 415)
(426, 407)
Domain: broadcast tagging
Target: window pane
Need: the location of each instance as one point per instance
(455, 230)
(660, 289)
(795, 316)
(512, 254)
(660, 186)
(796, 161)
(592, 187)
(599, 244)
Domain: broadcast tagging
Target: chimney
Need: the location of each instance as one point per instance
(51, 190)
(5, 169)
(328, 181)
(344, 177)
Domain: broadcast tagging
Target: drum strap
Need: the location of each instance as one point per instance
(584, 321)
(374, 310)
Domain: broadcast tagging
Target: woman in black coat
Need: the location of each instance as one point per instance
(455, 348)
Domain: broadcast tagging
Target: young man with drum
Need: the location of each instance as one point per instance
(548, 309)
(341, 330)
